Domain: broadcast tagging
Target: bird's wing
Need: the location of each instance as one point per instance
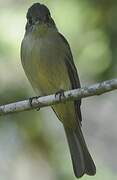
(73, 75)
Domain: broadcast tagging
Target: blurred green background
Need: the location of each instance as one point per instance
(33, 144)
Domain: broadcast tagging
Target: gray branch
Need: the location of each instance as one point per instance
(39, 102)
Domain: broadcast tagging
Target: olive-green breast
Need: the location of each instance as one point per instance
(43, 58)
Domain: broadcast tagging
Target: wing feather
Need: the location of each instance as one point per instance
(73, 75)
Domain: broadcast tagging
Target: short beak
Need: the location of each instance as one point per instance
(37, 22)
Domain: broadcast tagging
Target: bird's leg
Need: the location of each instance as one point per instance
(31, 100)
(60, 94)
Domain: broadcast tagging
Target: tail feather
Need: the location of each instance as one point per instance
(81, 159)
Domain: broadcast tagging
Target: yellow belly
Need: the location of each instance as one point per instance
(43, 60)
(44, 64)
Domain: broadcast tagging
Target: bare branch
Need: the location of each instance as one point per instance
(39, 102)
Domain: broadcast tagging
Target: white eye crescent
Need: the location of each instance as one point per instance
(30, 21)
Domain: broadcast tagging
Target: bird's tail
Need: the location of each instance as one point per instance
(81, 159)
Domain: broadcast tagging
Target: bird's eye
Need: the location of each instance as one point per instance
(30, 21)
(48, 17)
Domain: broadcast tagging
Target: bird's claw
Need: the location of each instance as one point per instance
(31, 101)
(60, 94)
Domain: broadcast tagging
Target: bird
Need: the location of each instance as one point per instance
(48, 63)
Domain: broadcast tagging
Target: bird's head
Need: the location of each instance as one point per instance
(38, 14)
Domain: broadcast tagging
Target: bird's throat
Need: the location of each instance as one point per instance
(40, 30)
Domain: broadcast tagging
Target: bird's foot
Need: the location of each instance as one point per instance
(31, 101)
(60, 94)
